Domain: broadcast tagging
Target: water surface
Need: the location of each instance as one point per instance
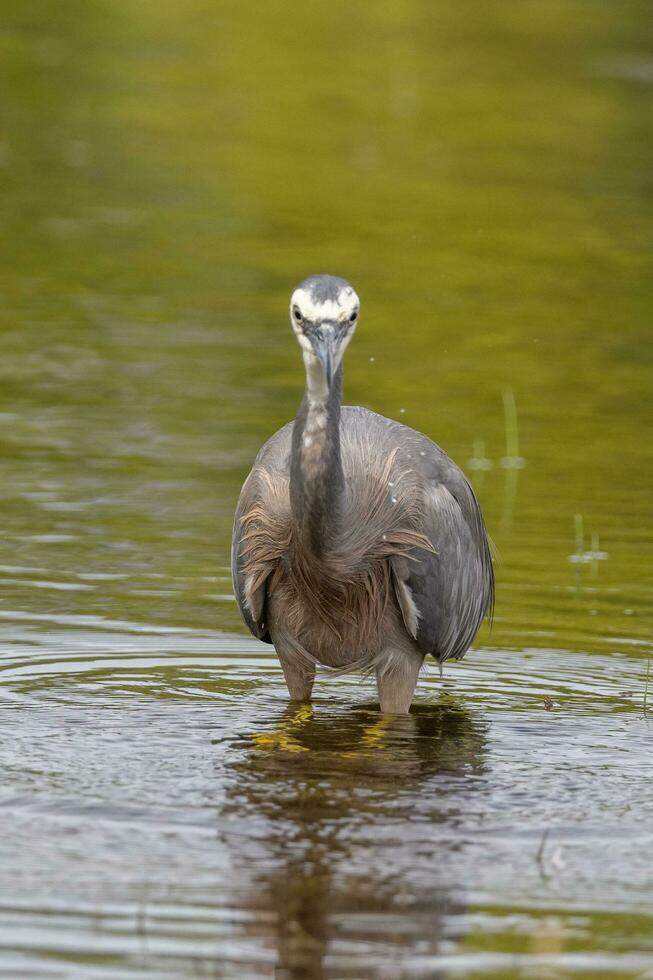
(167, 173)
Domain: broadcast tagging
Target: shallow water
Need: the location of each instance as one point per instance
(167, 173)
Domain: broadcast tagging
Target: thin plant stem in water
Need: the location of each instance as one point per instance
(579, 534)
(479, 463)
(540, 854)
(510, 419)
(648, 677)
(594, 567)
(512, 461)
(582, 557)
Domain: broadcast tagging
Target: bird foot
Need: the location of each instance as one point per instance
(283, 739)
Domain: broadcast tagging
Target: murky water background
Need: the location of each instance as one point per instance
(167, 173)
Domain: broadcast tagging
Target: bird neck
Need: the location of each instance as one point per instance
(316, 479)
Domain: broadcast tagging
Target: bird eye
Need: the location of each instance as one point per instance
(353, 317)
(297, 314)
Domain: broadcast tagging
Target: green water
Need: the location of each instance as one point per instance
(168, 172)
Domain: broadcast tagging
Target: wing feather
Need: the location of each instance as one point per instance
(249, 596)
(250, 581)
(444, 595)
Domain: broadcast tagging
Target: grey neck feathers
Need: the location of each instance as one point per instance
(316, 480)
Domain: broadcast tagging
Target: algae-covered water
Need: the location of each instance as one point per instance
(482, 174)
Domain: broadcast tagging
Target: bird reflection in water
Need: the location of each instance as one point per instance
(356, 818)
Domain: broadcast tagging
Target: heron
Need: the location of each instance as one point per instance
(358, 544)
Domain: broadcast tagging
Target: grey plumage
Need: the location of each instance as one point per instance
(323, 288)
(358, 543)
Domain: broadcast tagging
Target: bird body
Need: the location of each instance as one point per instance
(358, 543)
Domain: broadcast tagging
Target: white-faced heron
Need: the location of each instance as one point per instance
(358, 544)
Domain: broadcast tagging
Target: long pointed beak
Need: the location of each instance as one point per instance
(325, 345)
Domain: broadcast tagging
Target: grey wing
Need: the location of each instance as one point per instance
(251, 598)
(445, 595)
(252, 605)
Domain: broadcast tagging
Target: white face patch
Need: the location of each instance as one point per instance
(312, 311)
(339, 310)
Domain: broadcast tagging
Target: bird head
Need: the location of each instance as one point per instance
(323, 313)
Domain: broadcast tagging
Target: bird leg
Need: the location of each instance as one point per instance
(396, 679)
(299, 676)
